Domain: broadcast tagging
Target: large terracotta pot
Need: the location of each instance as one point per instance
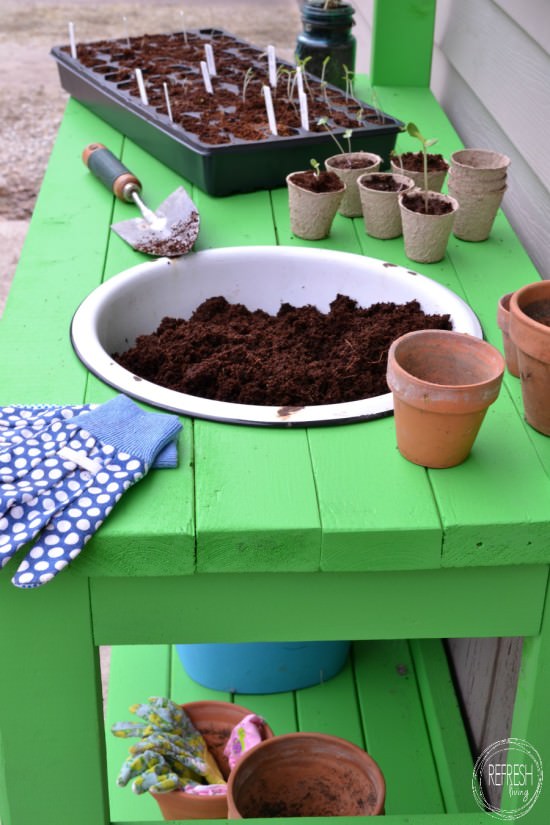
(214, 720)
(530, 332)
(442, 383)
(503, 321)
(305, 774)
(350, 205)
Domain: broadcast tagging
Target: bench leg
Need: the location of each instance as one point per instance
(52, 760)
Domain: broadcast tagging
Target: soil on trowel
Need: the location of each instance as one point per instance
(299, 357)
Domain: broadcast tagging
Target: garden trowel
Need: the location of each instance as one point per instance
(170, 231)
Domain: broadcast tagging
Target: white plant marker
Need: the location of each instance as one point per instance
(125, 22)
(270, 110)
(183, 27)
(141, 87)
(206, 78)
(272, 66)
(167, 99)
(304, 112)
(210, 62)
(72, 41)
(300, 81)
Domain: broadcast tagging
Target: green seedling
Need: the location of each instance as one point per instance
(316, 166)
(348, 80)
(323, 121)
(414, 132)
(324, 83)
(249, 74)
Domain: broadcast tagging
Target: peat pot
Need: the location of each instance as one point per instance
(530, 332)
(305, 774)
(312, 213)
(218, 718)
(426, 236)
(380, 206)
(443, 383)
(349, 166)
(262, 277)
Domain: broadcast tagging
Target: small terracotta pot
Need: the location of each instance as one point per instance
(426, 236)
(436, 179)
(532, 339)
(214, 720)
(477, 213)
(350, 205)
(442, 384)
(305, 774)
(479, 164)
(381, 213)
(312, 213)
(503, 321)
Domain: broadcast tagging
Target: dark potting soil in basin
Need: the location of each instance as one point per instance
(299, 357)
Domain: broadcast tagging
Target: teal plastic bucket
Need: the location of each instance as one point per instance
(263, 667)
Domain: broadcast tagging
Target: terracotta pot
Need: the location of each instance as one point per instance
(477, 213)
(312, 213)
(479, 164)
(381, 213)
(442, 384)
(503, 321)
(214, 720)
(350, 205)
(436, 179)
(426, 236)
(532, 339)
(305, 774)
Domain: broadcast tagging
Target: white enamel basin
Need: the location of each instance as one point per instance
(260, 277)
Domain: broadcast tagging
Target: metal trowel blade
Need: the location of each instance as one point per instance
(172, 235)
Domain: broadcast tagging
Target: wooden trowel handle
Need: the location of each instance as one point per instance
(110, 171)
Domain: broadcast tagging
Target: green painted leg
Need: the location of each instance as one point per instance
(51, 742)
(531, 720)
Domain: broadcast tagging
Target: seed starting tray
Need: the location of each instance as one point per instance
(221, 142)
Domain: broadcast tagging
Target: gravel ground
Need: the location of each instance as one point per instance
(32, 100)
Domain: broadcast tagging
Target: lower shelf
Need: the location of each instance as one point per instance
(395, 699)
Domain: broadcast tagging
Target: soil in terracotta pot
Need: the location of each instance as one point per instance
(323, 795)
(413, 161)
(299, 357)
(416, 203)
(539, 311)
(323, 182)
(232, 113)
(384, 183)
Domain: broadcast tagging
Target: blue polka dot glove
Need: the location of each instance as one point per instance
(63, 479)
(19, 421)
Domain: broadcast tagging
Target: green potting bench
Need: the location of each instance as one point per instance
(268, 534)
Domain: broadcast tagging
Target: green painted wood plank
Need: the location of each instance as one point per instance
(236, 220)
(394, 725)
(136, 673)
(342, 234)
(61, 262)
(402, 42)
(445, 725)
(278, 709)
(49, 697)
(331, 707)
(479, 818)
(385, 605)
(362, 527)
(258, 509)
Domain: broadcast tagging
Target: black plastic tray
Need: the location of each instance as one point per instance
(238, 165)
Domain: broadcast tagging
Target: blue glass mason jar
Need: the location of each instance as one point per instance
(327, 33)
